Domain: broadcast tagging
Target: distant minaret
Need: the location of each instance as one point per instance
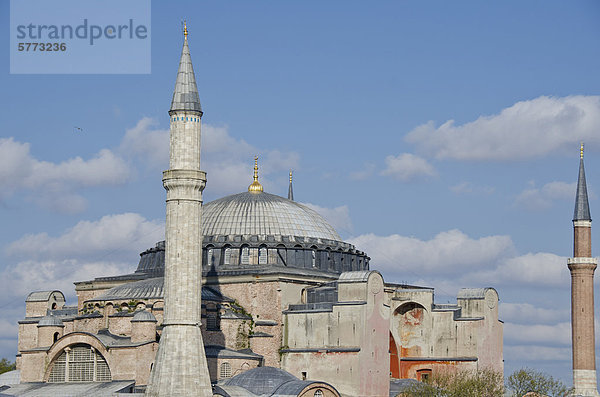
(582, 267)
(180, 368)
(290, 190)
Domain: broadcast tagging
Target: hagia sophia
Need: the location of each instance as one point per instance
(252, 294)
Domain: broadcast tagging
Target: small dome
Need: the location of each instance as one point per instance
(261, 380)
(50, 321)
(143, 316)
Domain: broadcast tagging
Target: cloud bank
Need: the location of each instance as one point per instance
(531, 128)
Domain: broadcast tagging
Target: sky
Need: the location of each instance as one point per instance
(442, 138)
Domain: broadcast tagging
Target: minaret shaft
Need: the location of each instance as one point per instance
(582, 267)
(180, 367)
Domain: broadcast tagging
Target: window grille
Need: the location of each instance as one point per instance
(227, 256)
(212, 322)
(318, 393)
(225, 370)
(245, 260)
(262, 256)
(211, 258)
(81, 363)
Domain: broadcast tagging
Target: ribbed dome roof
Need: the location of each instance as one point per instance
(263, 214)
(261, 380)
(143, 316)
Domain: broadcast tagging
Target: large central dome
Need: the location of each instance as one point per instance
(263, 214)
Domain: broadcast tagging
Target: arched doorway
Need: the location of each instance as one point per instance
(394, 363)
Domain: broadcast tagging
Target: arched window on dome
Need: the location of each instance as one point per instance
(262, 255)
(210, 256)
(245, 255)
(225, 371)
(227, 256)
(318, 393)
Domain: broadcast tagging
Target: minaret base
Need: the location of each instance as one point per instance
(584, 383)
(181, 369)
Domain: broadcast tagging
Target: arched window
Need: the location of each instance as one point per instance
(225, 371)
(227, 256)
(211, 257)
(56, 336)
(245, 255)
(318, 393)
(79, 363)
(314, 258)
(262, 256)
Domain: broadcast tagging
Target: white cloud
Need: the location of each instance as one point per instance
(553, 334)
(31, 275)
(407, 166)
(117, 236)
(56, 185)
(538, 199)
(338, 217)
(532, 128)
(227, 161)
(469, 188)
(522, 313)
(447, 253)
(452, 259)
(535, 269)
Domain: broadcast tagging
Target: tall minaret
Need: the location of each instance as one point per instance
(180, 368)
(582, 267)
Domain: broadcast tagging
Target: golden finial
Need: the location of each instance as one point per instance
(255, 186)
(184, 29)
(581, 150)
(290, 176)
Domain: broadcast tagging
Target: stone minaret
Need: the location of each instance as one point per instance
(582, 267)
(180, 368)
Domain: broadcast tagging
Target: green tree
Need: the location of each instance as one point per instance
(528, 380)
(6, 366)
(482, 383)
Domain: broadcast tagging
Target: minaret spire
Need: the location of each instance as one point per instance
(185, 95)
(582, 207)
(180, 368)
(290, 190)
(582, 266)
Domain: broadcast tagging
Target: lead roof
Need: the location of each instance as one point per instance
(582, 207)
(185, 95)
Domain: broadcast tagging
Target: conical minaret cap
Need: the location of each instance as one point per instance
(185, 96)
(582, 207)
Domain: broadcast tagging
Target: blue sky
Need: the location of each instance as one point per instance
(440, 137)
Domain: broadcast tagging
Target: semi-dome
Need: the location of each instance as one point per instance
(263, 214)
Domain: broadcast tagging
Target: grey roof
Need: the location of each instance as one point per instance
(215, 351)
(292, 388)
(263, 214)
(473, 293)
(42, 296)
(80, 389)
(143, 316)
(582, 207)
(185, 95)
(151, 288)
(10, 378)
(355, 277)
(261, 380)
(231, 391)
(50, 321)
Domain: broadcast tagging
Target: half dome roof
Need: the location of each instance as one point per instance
(263, 214)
